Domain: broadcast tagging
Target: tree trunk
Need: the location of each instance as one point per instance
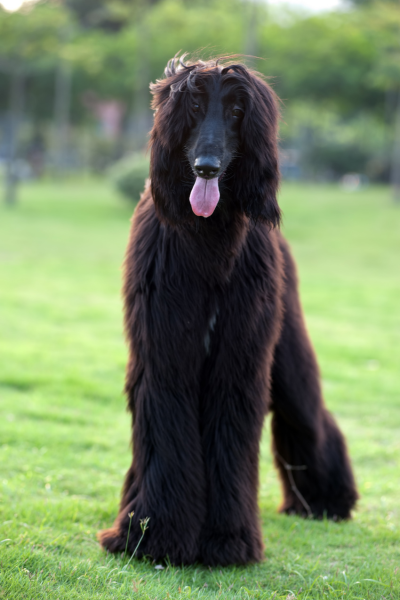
(15, 115)
(251, 41)
(62, 102)
(395, 174)
(140, 120)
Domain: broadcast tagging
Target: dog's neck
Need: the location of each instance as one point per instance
(214, 244)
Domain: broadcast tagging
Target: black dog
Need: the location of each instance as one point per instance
(216, 333)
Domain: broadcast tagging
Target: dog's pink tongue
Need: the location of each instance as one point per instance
(204, 196)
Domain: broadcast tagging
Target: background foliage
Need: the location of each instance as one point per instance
(338, 73)
(64, 433)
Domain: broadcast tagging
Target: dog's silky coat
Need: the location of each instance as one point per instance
(216, 332)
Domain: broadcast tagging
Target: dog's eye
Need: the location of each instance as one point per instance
(237, 113)
(195, 107)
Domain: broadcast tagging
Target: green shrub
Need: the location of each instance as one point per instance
(327, 145)
(129, 174)
(102, 153)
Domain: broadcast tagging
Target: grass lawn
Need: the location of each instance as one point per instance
(64, 432)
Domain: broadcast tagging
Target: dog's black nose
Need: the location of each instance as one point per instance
(207, 166)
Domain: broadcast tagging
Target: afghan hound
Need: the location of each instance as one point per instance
(216, 333)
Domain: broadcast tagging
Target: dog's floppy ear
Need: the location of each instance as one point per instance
(170, 96)
(169, 170)
(257, 173)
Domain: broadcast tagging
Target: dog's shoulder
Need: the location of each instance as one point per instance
(145, 223)
(268, 252)
(264, 238)
(144, 235)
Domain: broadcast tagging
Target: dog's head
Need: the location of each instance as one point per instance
(214, 143)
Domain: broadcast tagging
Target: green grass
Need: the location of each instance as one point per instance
(64, 432)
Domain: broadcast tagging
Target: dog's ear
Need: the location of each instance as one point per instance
(169, 170)
(257, 173)
(170, 96)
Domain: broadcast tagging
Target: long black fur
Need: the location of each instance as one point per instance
(217, 338)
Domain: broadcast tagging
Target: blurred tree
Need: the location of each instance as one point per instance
(30, 38)
(15, 115)
(108, 15)
(346, 62)
(368, 3)
(62, 105)
(342, 63)
(325, 58)
(99, 14)
(251, 43)
(29, 48)
(383, 22)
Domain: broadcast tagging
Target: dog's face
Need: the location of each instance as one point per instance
(214, 144)
(217, 112)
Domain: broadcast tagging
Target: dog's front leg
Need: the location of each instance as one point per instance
(234, 401)
(166, 480)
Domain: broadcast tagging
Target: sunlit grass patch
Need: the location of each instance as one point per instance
(64, 432)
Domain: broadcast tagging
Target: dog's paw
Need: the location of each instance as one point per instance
(113, 539)
(230, 548)
(160, 544)
(339, 510)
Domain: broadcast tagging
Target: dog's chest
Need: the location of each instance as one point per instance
(210, 328)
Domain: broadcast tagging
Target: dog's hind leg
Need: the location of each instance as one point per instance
(310, 451)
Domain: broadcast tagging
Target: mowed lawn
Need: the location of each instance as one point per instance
(64, 432)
